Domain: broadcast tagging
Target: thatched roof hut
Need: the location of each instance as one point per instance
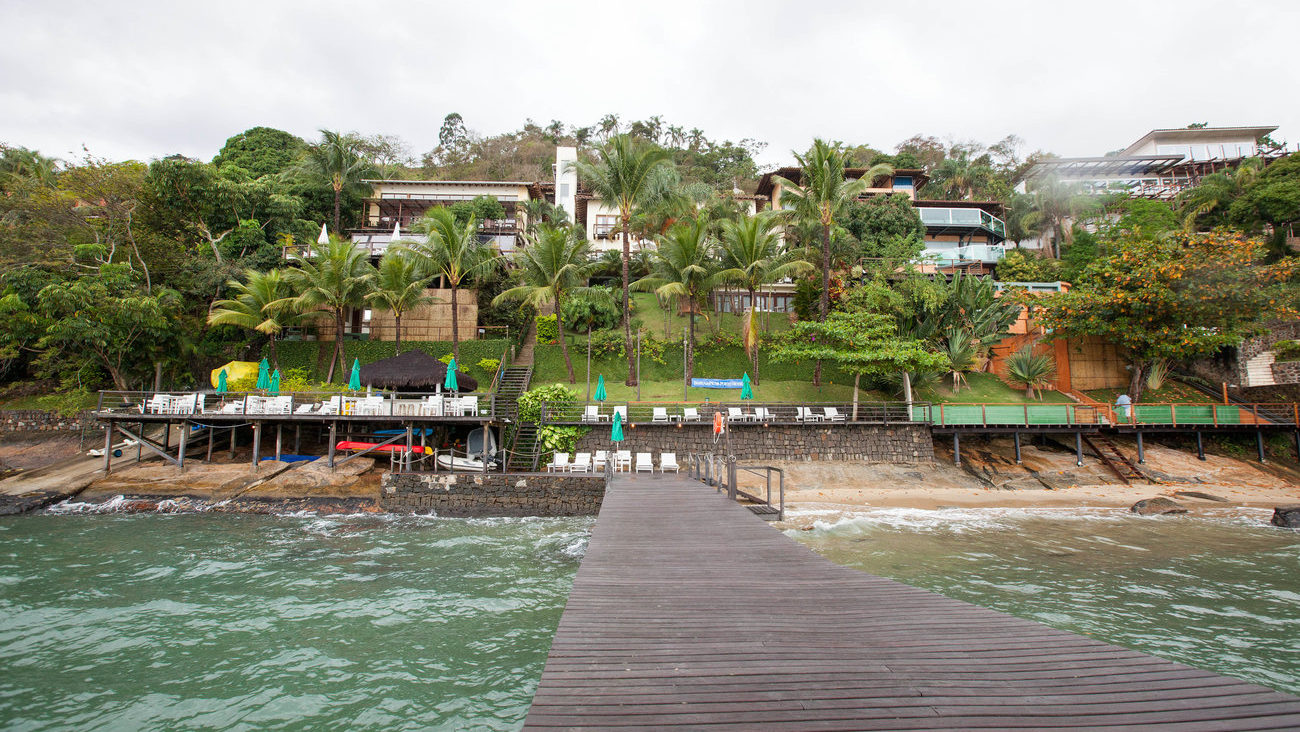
(412, 371)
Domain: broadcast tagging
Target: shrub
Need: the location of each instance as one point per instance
(1287, 350)
(1029, 370)
(530, 402)
(489, 364)
(552, 439)
(602, 314)
(547, 331)
(1158, 373)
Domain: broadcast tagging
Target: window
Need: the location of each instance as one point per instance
(902, 181)
(604, 225)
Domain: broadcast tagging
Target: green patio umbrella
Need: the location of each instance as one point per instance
(264, 374)
(450, 383)
(746, 391)
(275, 382)
(600, 395)
(354, 381)
(616, 432)
(221, 382)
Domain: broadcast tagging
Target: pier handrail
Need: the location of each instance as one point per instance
(742, 412)
(300, 404)
(722, 472)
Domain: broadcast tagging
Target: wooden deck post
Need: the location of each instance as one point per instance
(180, 447)
(212, 439)
(410, 440)
(108, 447)
(257, 444)
(330, 460)
(1142, 456)
(1259, 444)
(1297, 444)
(279, 441)
(956, 449)
(297, 439)
(232, 442)
(1200, 447)
(1016, 435)
(1078, 448)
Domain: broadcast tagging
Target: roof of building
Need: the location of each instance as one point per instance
(766, 184)
(1199, 134)
(994, 207)
(412, 370)
(385, 181)
(1118, 166)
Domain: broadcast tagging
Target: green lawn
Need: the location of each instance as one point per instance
(1173, 392)
(986, 389)
(670, 325)
(768, 391)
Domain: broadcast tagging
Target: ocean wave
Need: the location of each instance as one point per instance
(954, 520)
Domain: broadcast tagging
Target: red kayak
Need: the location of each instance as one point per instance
(348, 445)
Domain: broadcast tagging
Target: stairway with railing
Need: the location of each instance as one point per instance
(519, 439)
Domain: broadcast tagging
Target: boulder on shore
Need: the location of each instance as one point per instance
(1157, 506)
(1287, 516)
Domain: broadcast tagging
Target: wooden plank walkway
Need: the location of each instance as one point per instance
(689, 611)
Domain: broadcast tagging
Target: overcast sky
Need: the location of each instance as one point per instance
(147, 79)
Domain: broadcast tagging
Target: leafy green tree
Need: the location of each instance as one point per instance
(1205, 205)
(1175, 297)
(554, 264)
(684, 267)
(19, 163)
(399, 288)
(959, 175)
(626, 175)
(260, 303)
(261, 151)
(333, 280)
(886, 228)
(452, 250)
(1273, 200)
(860, 343)
(823, 194)
(753, 256)
(339, 159)
(1022, 266)
(481, 209)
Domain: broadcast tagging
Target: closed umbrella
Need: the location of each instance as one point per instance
(746, 391)
(264, 374)
(221, 382)
(354, 381)
(616, 432)
(450, 384)
(275, 382)
(600, 395)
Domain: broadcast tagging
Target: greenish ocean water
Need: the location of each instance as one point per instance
(232, 622)
(1219, 591)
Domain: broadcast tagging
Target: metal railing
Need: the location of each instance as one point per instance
(735, 413)
(723, 473)
(311, 405)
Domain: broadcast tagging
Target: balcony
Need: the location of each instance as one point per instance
(961, 219)
(959, 256)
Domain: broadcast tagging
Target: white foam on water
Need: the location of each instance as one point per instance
(113, 504)
(954, 520)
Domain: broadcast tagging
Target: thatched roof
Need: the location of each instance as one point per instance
(412, 371)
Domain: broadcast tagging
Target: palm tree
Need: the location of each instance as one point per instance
(399, 288)
(452, 251)
(1030, 370)
(684, 267)
(1211, 196)
(959, 349)
(554, 264)
(958, 176)
(339, 158)
(752, 256)
(259, 303)
(627, 175)
(334, 279)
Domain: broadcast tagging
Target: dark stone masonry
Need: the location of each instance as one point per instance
(467, 495)
(905, 443)
(36, 420)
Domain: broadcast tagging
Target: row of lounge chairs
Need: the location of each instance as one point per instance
(435, 406)
(593, 413)
(583, 462)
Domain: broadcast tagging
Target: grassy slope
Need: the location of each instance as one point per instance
(1173, 392)
(987, 389)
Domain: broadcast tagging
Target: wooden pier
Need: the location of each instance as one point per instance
(689, 611)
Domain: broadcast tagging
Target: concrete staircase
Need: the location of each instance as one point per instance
(520, 439)
(1259, 370)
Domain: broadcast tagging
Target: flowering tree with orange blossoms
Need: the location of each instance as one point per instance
(1177, 297)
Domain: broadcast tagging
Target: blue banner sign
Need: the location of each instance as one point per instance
(716, 383)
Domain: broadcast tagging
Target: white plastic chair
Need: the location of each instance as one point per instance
(762, 414)
(833, 414)
(602, 457)
(621, 409)
(644, 463)
(591, 413)
(581, 463)
(668, 461)
(559, 463)
(690, 414)
(623, 460)
(660, 414)
(469, 406)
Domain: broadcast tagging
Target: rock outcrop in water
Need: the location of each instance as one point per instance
(1287, 517)
(1157, 506)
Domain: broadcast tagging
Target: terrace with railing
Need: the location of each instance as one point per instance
(962, 218)
(295, 406)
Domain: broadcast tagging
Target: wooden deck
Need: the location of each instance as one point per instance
(689, 611)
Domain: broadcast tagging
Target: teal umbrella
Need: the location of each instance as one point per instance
(275, 382)
(221, 382)
(264, 374)
(746, 391)
(616, 432)
(450, 383)
(600, 395)
(354, 381)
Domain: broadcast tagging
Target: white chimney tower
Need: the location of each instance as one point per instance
(566, 180)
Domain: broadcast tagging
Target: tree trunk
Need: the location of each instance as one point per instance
(455, 325)
(564, 347)
(856, 378)
(118, 379)
(824, 304)
(338, 194)
(907, 391)
(275, 358)
(753, 325)
(690, 345)
(588, 360)
(1138, 381)
(338, 344)
(397, 333)
(627, 318)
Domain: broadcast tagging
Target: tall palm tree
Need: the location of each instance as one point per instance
(554, 264)
(684, 267)
(1206, 203)
(258, 303)
(340, 159)
(399, 288)
(452, 251)
(752, 256)
(958, 175)
(823, 193)
(627, 174)
(334, 279)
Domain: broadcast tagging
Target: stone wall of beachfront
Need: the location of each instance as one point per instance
(470, 495)
(858, 442)
(25, 421)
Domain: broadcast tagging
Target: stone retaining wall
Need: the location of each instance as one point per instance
(37, 420)
(467, 495)
(1286, 372)
(904, 443)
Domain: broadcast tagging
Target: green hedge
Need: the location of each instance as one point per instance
(715, 363)
(305, 354)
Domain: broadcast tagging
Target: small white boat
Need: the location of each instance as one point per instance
(476, 452)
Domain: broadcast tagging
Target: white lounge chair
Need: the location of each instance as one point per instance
(304, 408)
(622, 410)
(601, 459)
(623, 460)
(591, 413)
(806, 414)
(833, 414)
(668, 461)
(690, 414)
(158, 404)
(558, 464)
(762, 414)
(660, 415)
(644, 463)
(581, 463)
(333, 405)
